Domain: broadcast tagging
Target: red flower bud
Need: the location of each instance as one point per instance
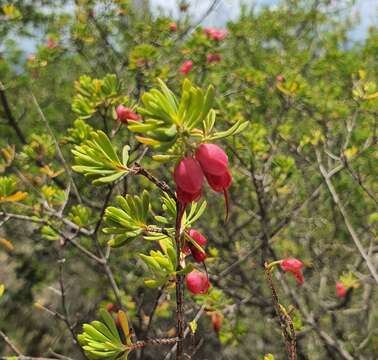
(188, 177)
(295, 267)
(216, 320)
(215, 34)
(186, 67)
(197, 282)
(341, 290)
(213, 58)
(198, 255)
(173, 26)
(124, 114)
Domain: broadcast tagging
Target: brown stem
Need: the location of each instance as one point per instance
(144, 343)
(11, 120)
(137, 169)
(285, 321)
(179, 284)
(10, 344)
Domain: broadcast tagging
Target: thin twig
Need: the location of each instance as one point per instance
(345, 217)
(284, 319)
(10, 344)
(57, 147)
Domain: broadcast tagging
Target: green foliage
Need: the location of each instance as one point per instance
(94, 95)
(80, 215)
(169, 122)
(79, 133)
(162, 264)
(127, 221)
(101, 340)
(8, 190)
(48, 233)
(97, 159)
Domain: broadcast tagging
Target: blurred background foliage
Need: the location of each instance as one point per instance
(292, 72)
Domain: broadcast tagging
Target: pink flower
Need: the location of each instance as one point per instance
(51, 43)
(295, 267)
(173, 26)
(124, 114)
(188, 177)
(198, 255)
(341, 290)
(197, 282)
(215, 34)
(186, 67)
(213, 58)
(280, 78)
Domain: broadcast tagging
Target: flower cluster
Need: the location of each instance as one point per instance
(210, 161)
(215, 34)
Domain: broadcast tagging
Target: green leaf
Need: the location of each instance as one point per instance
(98, 159)
(235, 129)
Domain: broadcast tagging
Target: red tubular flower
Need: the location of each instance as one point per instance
(212, 158)
(125, 114)
(198, 255)
(215, 34)
(188, 177)
(214, 163)
(213, 58)
(341, 290)
(173, 26)
(186, 67)
(216, 320)
(197, 282)
(295, 267)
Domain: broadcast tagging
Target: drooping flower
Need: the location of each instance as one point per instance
(219, 183)
(295, 267)
(189, 178)
(211, 58)
(125, 114)
(173, 26)
(198, 255)
(341, 290)
(214, 164)
(212, 158)
(215, 34)
(197, 282)
(216, 320)
(186, 67)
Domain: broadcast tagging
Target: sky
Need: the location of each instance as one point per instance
(229, 9)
